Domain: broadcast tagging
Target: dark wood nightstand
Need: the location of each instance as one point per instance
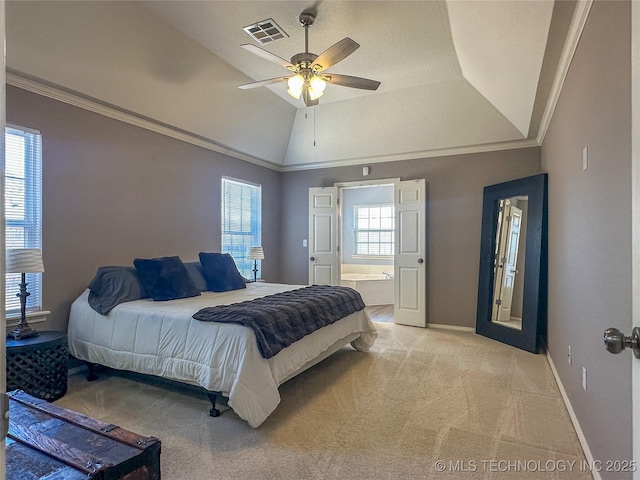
(38, 365)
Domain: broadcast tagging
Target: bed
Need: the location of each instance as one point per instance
(163, 339)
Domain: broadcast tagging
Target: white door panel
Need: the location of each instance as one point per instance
(323, 236)
(324, 199)
(409, 225)
(410, 251)
(409, 296)
(322, 274)
(323, 233)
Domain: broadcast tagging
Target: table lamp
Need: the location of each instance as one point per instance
(23, 261)
(255, 254)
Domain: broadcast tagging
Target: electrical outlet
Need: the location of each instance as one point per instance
(569, 359)
(584, 379)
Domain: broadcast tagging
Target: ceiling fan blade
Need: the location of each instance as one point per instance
(263, 83)
(352, 82)
(249, 47)
(335, 53)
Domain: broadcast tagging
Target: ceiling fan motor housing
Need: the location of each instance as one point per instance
(303, 60)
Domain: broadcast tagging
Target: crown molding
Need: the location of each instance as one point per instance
(71, 98)
(441, 152)
(101, 108)
(578, 21)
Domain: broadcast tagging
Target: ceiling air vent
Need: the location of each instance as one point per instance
(265, 31)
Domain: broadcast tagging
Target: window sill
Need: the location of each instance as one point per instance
(32, 317)
(373, 257)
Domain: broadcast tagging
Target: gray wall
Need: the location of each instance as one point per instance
(454, 214)
(113, 192)
(590, 229)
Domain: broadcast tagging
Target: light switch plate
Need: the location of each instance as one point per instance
(585, 158)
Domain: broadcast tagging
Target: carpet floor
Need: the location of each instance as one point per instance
(424, 403)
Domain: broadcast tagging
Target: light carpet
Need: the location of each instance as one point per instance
(484, 409)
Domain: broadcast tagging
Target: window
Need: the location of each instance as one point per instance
(373, 230)
(241, 221)
(23, 209)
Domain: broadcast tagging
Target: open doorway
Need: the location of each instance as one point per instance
(367, 226)
(327, 243)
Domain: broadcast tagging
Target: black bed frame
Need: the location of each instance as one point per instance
(174, 384)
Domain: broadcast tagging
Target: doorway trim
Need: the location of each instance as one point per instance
(363, 183)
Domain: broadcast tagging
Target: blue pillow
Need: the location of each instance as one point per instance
(114, 285)
(166, 278)
(220, 272)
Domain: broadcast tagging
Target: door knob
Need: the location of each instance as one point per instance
(615, 341)
(312, 258)
(420, 260)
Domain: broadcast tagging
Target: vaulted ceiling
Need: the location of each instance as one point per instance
(455, 76)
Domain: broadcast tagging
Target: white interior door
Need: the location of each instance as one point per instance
(410, 267)
(514, 222)
(500, 254)
(323, 236)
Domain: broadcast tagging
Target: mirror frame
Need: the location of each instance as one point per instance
(534, 308)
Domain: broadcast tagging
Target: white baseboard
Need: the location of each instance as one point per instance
(576, 425)
(451, 327)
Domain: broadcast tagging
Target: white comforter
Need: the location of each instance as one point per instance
(161, 338)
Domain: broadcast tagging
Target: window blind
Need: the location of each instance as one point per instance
(374, 230)
(23, 208)
(241, 221)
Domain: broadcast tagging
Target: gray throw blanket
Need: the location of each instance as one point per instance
(283, 318)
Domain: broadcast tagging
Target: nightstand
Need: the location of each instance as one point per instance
(38, 365)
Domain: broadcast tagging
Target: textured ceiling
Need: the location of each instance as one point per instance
(456, 75)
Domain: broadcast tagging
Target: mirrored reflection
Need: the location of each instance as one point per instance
(508, 265)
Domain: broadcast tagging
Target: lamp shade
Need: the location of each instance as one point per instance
(24, 260)
(255, 253)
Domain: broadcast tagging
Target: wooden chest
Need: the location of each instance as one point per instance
(53, 443)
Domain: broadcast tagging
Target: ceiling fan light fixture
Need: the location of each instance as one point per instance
(296, 83)
(309, 78)
(316, 87)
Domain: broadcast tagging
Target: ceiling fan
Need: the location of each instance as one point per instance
(310, 79)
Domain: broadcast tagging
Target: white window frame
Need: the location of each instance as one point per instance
(357, 230)
(249, 237)
(31, 221)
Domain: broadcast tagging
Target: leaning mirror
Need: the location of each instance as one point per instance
(512, 287)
